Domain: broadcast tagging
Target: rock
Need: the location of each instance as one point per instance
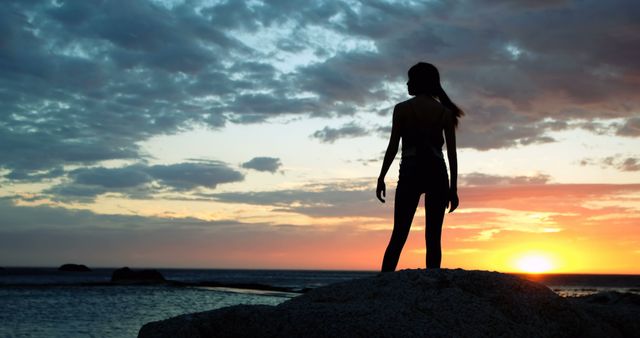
(620, 310)
(408, 303)
(128, 276)
(74, 268)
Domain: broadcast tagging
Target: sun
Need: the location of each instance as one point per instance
(534, 263)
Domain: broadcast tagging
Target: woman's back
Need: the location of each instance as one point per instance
(421, 122)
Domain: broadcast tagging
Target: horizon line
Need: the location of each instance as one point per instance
(312, 269)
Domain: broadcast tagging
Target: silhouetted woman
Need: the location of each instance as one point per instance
(421, 122)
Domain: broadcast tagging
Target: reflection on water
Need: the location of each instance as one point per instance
(587, 291)
(109, 311)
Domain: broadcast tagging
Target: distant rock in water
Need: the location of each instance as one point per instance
(128, 276)
(415, 303)
(74, 268)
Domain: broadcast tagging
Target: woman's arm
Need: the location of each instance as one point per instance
(452, 155)
(389, 155)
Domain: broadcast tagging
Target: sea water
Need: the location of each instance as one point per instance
(43, 302)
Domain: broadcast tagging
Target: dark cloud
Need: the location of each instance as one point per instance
(142, 181)
(185, 176)
(16, 217)
(528, 4)
(27, 152)
(85, 82)
(34, 176)
(355, 198)
(73, 192)
(269, 164)
(630, 164)
(335, 199)
(496, 126)
(330, 135)
(631, 127)
(42, 234)
(481, 179)
(619, 162)
(49, 236)
(372, 160)
(112, 177)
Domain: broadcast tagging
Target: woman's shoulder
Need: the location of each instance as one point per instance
(401, 110)
(421, 103)
(403, 105)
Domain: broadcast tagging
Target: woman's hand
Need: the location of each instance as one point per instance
(381, 190)
(453, 200)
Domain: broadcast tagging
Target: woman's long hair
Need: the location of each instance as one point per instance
(424, 78)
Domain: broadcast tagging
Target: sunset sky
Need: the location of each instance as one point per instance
(250, 134)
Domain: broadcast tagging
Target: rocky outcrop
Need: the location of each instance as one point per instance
(74, 268)
(412, 303)
(620, 310)
(128, 276)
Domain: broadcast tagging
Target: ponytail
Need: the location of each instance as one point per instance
(424, 78)
(446, 101)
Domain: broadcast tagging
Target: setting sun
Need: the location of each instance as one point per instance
(534, 264)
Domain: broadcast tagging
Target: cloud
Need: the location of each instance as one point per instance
(630, 164)
(529, 4)
(356, 198)
(87, 82)
(125, 177)
(348, 130)
(37, 235)
(481, 179)
(142, 181)
(34, 176)
(631, 127)
(618, 162)
(269, 164)
(333, 199)
(523, 214)
(23, 217)
(186, 176)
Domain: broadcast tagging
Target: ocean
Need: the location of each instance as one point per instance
(44, 302)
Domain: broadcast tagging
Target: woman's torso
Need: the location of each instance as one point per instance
(422, 120)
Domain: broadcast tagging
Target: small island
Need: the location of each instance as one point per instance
(74, 268)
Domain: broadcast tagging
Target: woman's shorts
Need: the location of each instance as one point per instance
(425, 176)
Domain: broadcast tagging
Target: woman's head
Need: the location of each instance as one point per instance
(424, 79)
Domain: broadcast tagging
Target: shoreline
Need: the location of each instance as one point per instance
(288, 281)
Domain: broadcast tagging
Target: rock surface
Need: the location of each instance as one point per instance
(74, 268)
(128, 276)
(620, 310)
(417, 303)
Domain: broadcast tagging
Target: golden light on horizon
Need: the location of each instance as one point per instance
(534, 263)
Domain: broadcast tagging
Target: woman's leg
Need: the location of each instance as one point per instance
(406, 202)
(434, 209)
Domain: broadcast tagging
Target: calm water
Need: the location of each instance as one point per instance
(42, 302)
